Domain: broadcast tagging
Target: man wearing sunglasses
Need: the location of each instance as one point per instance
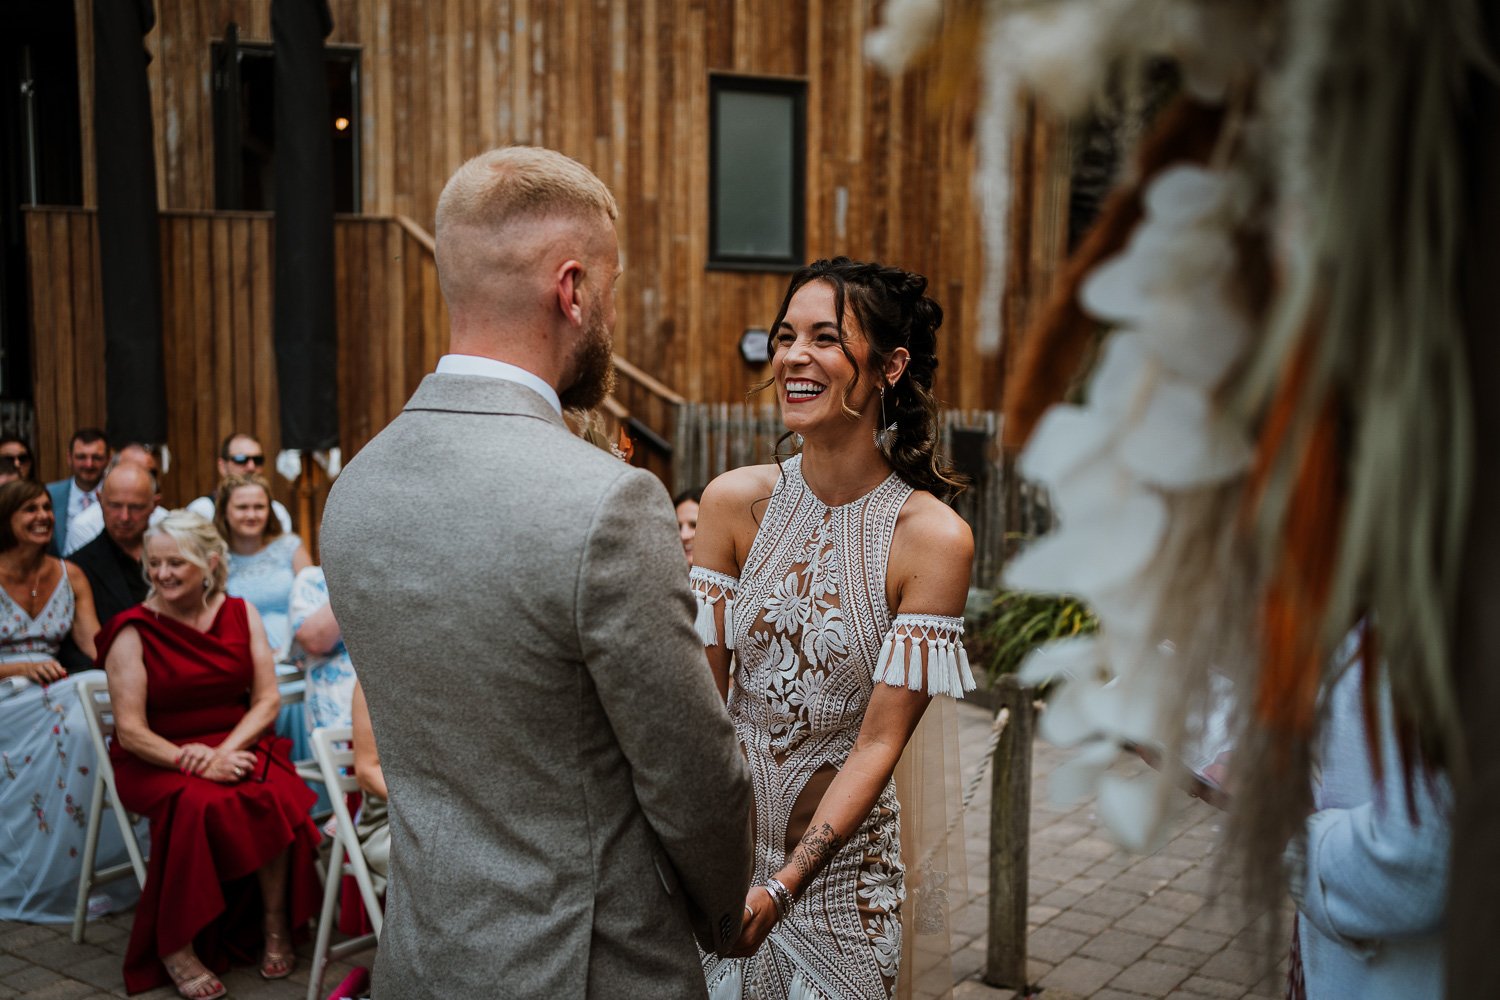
(241, 455)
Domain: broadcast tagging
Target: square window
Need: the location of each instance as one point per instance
(756, 171)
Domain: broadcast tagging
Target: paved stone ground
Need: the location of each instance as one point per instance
(1104, 925)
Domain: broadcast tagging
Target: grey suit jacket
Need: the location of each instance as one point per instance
(568, 801)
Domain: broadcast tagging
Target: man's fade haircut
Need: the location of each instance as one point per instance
(503, 185)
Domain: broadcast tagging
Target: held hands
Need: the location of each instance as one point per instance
(225, 767)
(760, 917)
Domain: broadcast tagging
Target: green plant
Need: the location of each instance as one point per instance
(1018, 622)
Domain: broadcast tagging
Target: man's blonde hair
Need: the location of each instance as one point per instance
(501, 212)
(497, 186)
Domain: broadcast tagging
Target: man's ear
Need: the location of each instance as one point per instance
(570, 291)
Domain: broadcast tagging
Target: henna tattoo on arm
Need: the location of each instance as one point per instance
(814, 849)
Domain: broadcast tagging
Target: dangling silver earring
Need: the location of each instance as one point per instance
(886, 435)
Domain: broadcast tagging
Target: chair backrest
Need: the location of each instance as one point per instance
(333, 749)
(99, 713)
(291, 683)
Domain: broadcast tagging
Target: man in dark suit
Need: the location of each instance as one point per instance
(88, 453)
(112, 561)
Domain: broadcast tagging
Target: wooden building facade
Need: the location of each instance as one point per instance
(622, 85)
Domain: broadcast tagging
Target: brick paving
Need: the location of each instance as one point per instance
(1104, 925)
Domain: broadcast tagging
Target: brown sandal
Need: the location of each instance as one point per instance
(277, 962)
(191, 987)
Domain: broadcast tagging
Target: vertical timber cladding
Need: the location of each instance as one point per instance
(623, 86)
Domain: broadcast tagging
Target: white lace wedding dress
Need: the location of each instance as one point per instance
(808, 621)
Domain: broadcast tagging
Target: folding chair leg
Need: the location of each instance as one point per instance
(132, 846)
(331, 884)
(90, 849)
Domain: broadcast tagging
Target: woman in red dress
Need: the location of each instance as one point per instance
(195, 696)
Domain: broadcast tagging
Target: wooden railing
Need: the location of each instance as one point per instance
(648, 411)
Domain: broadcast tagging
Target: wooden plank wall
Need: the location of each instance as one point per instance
(68, 343)
(217, 285)
(623, 86)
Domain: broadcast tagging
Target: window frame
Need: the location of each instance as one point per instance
(796, 89)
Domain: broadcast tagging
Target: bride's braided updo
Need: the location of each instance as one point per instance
(893, 311)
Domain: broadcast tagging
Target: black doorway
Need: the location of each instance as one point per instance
(245, 125)
(41, 161)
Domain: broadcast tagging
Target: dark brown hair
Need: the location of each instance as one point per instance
(13, 496)
(893, 311)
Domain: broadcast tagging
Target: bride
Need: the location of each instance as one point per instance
(838, 579)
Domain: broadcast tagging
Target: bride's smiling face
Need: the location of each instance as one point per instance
(810, 367)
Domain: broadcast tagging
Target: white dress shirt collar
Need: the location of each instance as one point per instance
(470, 364)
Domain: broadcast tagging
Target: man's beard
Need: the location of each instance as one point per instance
(593, 367)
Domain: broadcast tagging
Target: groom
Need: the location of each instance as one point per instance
(568, 802)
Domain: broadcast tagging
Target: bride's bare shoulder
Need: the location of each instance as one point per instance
(742, 487)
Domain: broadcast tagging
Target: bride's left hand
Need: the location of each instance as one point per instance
(756, 928)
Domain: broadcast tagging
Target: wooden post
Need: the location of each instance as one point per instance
(1010, 835)
(303, 498)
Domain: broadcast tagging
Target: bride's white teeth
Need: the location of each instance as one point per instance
(803, 390)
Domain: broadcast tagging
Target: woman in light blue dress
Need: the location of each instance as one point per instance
(263, 563)
(46, 758)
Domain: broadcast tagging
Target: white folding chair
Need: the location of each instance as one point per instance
(94, 692)
(334, 753)
(293, 688)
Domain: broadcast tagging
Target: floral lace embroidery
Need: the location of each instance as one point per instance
(809, 619)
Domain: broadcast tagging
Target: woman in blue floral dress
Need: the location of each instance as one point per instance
(46, 760)
(319, 650)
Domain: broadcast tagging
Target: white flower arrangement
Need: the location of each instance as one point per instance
(1151, 427)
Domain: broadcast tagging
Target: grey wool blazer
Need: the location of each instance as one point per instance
(569, 804)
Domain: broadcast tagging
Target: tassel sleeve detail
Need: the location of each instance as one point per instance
(925, 648)
(711, 588)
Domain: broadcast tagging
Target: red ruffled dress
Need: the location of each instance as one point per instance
(208, 839)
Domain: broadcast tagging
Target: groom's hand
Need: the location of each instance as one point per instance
(760, 917)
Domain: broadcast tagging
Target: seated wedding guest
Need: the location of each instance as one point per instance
(88, 453)
(195, 693)
(373, 825)
(319, 650)
(18, 451)
(1370, 875)
(9, 473)
(686, 505)
(263, 564)
(87, 526)
(44, 739)
(113, 561)
(263, 559)
(240, 455)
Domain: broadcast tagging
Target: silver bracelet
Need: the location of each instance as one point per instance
(780, 895)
